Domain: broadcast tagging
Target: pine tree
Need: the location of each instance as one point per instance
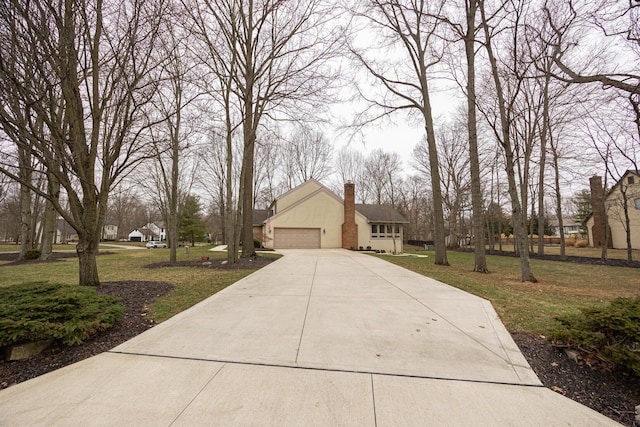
(191, 226)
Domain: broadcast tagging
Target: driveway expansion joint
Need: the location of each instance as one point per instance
(314, 368)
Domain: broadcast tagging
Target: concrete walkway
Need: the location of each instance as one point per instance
(317, 338)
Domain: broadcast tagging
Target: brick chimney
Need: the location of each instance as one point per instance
(599, 213)
(349, 228)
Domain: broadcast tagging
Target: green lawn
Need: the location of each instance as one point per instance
(562, 287)
(192, 284)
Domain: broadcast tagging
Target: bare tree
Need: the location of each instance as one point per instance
(503, 133)
(89, 88)
(278, 51)
(466, 29)
(456, 182)
(307, 154)
(617, 22)
(410, 25)
(348, 164)
(170, 140)
(381, 172)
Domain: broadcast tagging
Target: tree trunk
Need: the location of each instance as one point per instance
(247, 197)
(25, 220)
(438, 214)
(230, 224)
(480, 259)
(520, 233)
(25, 172)
(543, 158)
(172, 229)
(627, 222)
(87, 250)
(49, 226)
(559, 204)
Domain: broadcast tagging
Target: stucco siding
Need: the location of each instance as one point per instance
(290, 198)
(365, 240)
(320, 211)
(615, 215)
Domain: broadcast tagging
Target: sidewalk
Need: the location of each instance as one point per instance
(319, 337)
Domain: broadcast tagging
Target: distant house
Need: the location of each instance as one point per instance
(570, 226)
(611, 207)
(312, 216)
(148, 232)
(65, 233)
(110, 230)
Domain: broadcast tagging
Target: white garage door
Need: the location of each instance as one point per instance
(296, 238)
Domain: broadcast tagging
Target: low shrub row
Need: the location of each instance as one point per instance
(42, 311)
(610, 332)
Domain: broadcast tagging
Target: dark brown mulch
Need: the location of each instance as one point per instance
(136, 298)
(9, 256)
(219, 264)
(613, 393)
(575, 259)
(55, 256)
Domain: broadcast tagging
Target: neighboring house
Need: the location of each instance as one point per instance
(65, 233)
(570, 226)
(151, 231)
(260, 217)
(312, 216)
(611, 206)
(109, 230)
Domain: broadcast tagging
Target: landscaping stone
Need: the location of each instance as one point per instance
(25, 351)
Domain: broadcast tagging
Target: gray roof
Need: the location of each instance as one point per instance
(381, 213)
(259, 216)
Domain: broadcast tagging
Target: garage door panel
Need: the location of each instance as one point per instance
(296, 238)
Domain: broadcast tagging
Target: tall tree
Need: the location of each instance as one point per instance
(89, 88)
(171, 139)
(504, 136)
(467, 30)
(410, 25)
(279, 50)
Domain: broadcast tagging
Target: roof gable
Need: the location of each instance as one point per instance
(306, 198)
(297, 193)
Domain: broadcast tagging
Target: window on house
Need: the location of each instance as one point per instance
(384, 231)
(631, 180)
(637, 203)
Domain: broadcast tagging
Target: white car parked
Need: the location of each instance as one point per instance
(153, 244)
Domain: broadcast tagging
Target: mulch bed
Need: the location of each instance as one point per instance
(136, 298)
(614, 393)
(8, 256)
(218, 264)
(575, 259)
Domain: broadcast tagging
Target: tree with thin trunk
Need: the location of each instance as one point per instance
(170, 139)
(89, 88)
(503, 134)
(411, 25)
(467, 31)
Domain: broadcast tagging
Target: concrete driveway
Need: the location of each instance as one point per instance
(319, 337)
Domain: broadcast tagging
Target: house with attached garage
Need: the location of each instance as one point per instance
(310, 216)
